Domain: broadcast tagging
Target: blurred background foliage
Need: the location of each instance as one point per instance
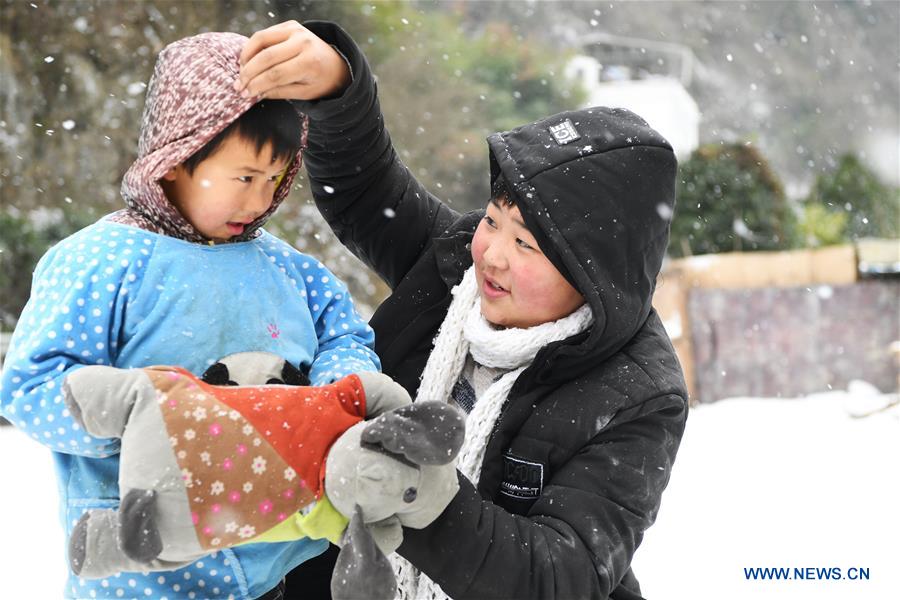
(73, 78)
(730, 200)
(869, 207)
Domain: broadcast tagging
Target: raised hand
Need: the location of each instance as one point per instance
(287, 61)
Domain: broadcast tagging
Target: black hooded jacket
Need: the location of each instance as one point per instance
(575, 468)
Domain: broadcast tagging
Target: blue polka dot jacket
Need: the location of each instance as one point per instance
(144, 290)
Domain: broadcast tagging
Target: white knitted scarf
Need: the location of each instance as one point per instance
(466, 331)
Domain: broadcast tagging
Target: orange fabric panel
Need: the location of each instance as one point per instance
(300, 423)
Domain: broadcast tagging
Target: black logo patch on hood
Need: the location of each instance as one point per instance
(564, 133)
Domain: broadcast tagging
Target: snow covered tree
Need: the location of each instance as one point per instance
(872, 208)
(729, 199)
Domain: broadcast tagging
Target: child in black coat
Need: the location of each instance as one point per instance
(534, 316)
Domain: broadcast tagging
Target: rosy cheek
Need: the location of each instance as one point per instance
(478, 246)
(525, 283)
(530, 284)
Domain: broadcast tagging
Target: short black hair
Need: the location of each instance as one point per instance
(500, 192)
(268, 121)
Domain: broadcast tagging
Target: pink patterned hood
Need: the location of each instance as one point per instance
(190, 99)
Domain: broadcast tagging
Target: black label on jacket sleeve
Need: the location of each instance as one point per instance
(522, 479)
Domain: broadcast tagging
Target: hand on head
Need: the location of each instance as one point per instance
(287, 61)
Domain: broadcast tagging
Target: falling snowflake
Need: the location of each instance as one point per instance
(199, 413)
(190, 434)
(289, 474)
(259, 465)
(216, 488)
(247, 531)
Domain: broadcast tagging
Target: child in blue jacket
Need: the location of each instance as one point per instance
(183, 276)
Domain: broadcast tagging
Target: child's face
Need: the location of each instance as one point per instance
(519, 286)
(228, 190)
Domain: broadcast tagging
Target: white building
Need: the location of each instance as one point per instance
(660, 98)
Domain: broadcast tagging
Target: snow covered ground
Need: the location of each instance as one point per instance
(785, 484)
(759, 483)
